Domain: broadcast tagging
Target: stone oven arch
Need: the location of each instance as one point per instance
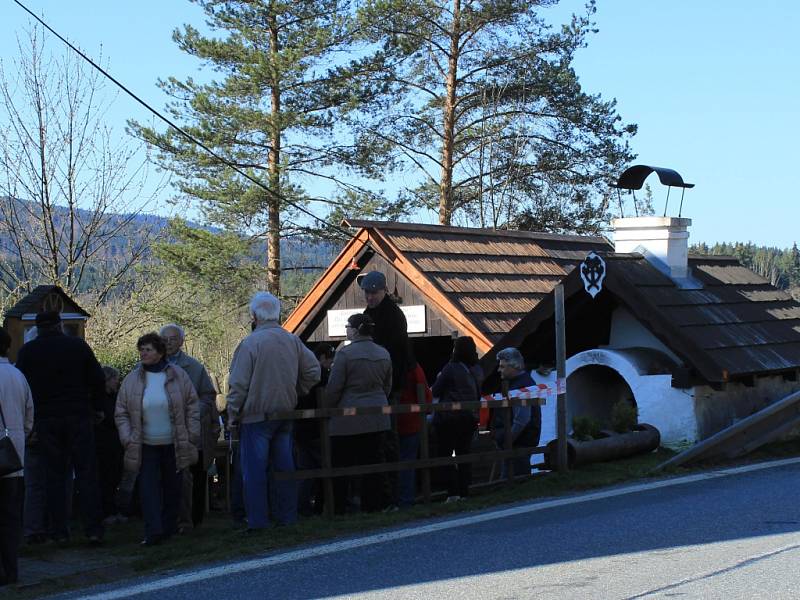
(598, 378)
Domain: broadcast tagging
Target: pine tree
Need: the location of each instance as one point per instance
(272, 113)
(481, 98)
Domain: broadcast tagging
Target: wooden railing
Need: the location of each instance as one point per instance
(424, 464)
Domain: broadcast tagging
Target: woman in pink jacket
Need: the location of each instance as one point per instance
(158, 419)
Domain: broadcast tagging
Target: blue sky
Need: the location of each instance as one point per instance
(712, 85)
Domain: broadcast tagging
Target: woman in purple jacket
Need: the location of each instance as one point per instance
(459, 381)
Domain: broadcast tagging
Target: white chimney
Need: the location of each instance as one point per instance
(665, 239)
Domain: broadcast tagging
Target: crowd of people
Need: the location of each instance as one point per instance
(73, 422)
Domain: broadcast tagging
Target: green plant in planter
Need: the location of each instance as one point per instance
(585, 428)
(624, 416)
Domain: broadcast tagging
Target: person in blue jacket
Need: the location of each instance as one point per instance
(526, 424)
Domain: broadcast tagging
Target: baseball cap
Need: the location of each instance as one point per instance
(373, 281)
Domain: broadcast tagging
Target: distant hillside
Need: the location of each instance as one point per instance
(125, 233)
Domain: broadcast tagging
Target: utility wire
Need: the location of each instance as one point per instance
(181, 131)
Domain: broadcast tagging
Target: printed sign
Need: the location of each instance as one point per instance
(337, 319)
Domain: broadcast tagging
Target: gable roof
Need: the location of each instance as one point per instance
(33, 301)
(737, 324)
(483, 280)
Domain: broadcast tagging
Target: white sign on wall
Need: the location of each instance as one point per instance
(337, 319)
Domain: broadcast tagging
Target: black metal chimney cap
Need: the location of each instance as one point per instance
(633, 177)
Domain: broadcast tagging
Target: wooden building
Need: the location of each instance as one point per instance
(20, 318)
(450, 281)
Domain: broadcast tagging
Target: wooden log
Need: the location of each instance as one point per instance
(614, 447)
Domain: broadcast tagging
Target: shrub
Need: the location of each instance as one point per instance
(624, 416)
(585, 428)
(123, 361)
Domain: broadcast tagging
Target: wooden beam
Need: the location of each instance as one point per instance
(322, 288)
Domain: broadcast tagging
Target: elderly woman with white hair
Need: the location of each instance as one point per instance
(269, 368)
(526, 425)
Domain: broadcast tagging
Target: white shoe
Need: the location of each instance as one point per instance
(451, 499)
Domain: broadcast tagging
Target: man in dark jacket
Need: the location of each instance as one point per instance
(68, 387)
(391, 332)
(391, 329)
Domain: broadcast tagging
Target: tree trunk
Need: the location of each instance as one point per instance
(274, 200)
(448, 129)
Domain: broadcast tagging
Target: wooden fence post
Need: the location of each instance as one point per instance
(326, 459)
(561, 374)
(508, 422)
(424, 446)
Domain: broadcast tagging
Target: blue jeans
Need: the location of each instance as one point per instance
(265, 444)
(159, 490)
(406, 480)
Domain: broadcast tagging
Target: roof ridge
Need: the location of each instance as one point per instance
(429, 228)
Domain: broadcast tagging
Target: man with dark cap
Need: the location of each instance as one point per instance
(391, 329)
(68, 385)
(391, 332)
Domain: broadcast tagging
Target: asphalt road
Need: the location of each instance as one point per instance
(732, 536)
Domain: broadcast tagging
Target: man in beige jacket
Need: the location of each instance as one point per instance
(16, 406)
(269, 369)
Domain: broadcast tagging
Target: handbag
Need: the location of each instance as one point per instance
(10, 461)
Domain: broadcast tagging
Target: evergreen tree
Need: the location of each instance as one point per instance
(780, 267)
(272, 113)
(794, 265)
(482, 99)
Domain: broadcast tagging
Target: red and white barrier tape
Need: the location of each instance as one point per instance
(540, 390)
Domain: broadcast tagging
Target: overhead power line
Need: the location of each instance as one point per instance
(180, 130)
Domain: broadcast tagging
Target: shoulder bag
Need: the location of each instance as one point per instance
(9, 457)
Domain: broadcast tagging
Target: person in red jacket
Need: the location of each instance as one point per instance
(408, 427)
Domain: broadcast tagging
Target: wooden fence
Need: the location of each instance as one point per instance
(425, 462)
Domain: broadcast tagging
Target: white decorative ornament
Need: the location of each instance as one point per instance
(593, 272)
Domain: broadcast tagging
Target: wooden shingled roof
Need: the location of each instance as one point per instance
(32, 303)
(485, 280)
(737, 324)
